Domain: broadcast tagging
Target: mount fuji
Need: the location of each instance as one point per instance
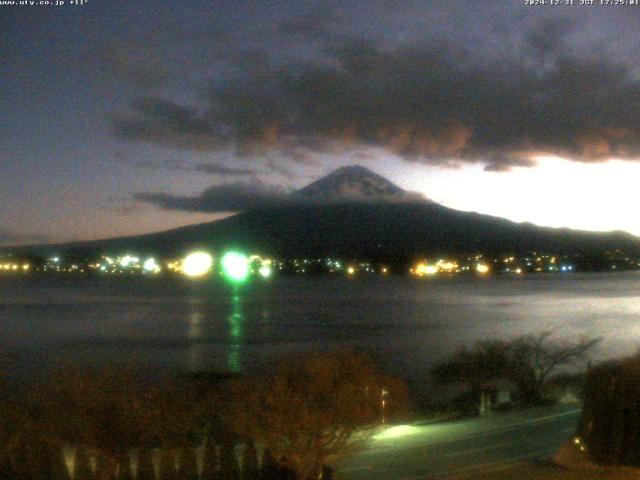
(355, 184)
(355, 213)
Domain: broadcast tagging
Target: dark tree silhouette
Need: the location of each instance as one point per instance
(534, 358)
(527, 362)
(609, 427)
(479, 368)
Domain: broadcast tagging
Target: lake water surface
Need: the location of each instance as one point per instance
(176, 324)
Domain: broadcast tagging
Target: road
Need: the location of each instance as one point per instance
(461, 448)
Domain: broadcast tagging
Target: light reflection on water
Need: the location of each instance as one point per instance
(196, 354)
(236, 320)
(406, 323)
(201, 329)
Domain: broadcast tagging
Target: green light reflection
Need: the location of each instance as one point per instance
(236, 333)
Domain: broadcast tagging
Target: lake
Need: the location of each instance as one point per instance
(165, 325)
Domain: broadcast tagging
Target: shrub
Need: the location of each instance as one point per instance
(610, 422)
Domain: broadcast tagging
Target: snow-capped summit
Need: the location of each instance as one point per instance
(356, 184)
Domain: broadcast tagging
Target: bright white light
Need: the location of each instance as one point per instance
(197, 264)
(128, 260)
(424, 268)
(150, 265)
(431, 269)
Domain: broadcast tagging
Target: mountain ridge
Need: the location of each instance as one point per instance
(383, 221)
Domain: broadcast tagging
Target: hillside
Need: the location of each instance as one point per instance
(356, 213)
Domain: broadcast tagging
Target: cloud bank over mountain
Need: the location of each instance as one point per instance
(347, 185)
(433, 100)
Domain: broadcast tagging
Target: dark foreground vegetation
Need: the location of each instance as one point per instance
(526, 371)
(112, 424)
(607, 443)
(610, 425)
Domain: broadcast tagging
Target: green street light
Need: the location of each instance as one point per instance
(235, 266)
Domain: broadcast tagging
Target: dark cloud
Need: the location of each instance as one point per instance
(224, 170)
(434, 102)
(121, 205)
(222, 198)
(9, 237)
(345, 185)
(504, 164)
(212, 168)
(546, 38)
(156, 120)
(178, 165)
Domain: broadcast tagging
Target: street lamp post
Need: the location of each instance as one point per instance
(384, 394)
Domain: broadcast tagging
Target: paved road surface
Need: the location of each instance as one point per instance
(451, 450)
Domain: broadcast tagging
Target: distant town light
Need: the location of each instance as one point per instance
(447, 265)
(150, 265)
(351, 270)
(235, 266)
(197, 264)
(482, 268)
(424, 268)
(265, 271)
(128, 260)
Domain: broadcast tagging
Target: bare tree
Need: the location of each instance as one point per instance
(534, 358)
(527, 361)
(478, 368)
(307, 411)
